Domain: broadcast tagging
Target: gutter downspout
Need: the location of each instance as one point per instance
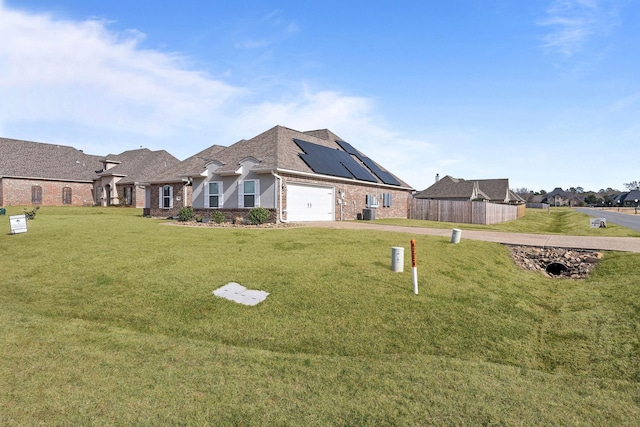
(279, 190)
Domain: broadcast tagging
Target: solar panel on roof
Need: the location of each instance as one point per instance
(347, 147)
(384, 176)
(354, 168)
(329, 161)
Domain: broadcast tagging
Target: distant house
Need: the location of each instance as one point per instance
(630, 198)
(490, 190)
(39, 174)
(559, 197)
(298, 176)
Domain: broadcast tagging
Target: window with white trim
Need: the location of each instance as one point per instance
(213, 195)
(249, 193)
(166, 197)
(386, 200)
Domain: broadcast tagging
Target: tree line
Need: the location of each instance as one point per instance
(601, 197)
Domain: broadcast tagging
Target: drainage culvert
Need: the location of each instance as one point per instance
(556, 268)
(556, 262)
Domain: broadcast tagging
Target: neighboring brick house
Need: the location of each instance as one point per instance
(33, 173)
(489, 190)
(39, 174)
(298, 176)
(125, 172)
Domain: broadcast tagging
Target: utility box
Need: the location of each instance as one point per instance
(3, 211)
(455, 235)
(397, 259)
(368, 214)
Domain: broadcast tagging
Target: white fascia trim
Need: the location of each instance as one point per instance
(337, 178)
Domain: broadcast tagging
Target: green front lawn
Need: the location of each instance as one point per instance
(107, 318)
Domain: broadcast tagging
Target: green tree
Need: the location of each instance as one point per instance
(633, 185)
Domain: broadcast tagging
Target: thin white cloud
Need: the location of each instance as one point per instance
(80, 71)
(574, 23)
(272, 28)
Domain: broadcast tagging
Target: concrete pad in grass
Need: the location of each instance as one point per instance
(236, 292)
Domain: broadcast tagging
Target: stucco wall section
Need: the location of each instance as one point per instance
(353, 203)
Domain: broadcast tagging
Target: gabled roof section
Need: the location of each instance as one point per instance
(557, 192)
(137, 166)
(189, 167)
(632, 196)
(449, 187)
(36, 160)
(290, 156)
(276, 149)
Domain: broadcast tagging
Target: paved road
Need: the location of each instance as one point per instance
(631, 221)
(628, 244)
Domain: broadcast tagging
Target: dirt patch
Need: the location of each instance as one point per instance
(556, 262)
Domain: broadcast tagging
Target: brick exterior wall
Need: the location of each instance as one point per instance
(17, 192)
(355, 197)
(137, 195)
(178, 192)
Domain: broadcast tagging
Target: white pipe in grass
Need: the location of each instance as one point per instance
(414, 267)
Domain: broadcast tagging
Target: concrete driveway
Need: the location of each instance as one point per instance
(628, 244)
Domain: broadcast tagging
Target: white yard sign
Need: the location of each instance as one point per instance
(18, 223)
(598, 222)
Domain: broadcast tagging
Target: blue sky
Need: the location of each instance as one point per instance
(545, 93)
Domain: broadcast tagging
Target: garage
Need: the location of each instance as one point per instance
(309, 203)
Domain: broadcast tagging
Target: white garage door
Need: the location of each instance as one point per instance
(309, 203)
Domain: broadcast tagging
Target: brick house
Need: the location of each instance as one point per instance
(489, 190)
(39, 174)
(298, 176)
(559, 197)
(119, 180)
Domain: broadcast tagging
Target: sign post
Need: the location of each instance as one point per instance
(414, 267)
(18, 223)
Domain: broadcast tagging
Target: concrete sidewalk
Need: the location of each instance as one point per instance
(628, 244)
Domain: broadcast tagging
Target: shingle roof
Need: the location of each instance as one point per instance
(138, 165)
(274, 149)
(632, 196)
(557, 192)
(191, 166)
(27, 159)
(449, 187)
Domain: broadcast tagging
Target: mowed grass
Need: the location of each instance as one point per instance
(536, 221)
(107, 318)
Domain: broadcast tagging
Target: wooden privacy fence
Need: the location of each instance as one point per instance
(538, 205)
(464, 212)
